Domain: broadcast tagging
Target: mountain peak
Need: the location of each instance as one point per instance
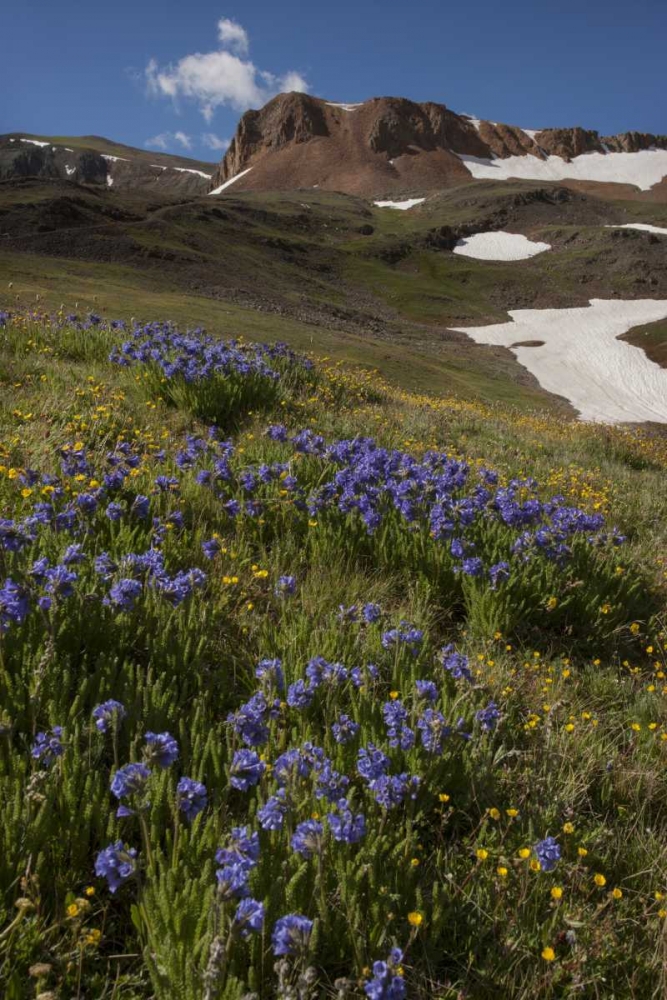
(391, 145)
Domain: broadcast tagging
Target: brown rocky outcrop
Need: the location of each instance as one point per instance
(632, 142)
(386, 146)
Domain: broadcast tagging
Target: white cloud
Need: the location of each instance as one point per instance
(166, 139)
(214, 142)
(215, 79)
(233, 36)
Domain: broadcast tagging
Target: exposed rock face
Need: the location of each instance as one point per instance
(568, 142)
(90, 163)
(386, 145)
(632, 142)
(288, 118)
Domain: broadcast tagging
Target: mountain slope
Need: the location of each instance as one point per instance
(391, 145)
(332, 273)
(96, 161)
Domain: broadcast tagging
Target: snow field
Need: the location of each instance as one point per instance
(605, 379)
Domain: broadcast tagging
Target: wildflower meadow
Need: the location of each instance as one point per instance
(310, 688)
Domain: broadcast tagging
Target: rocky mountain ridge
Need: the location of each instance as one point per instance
(390, 144)
(95, 161)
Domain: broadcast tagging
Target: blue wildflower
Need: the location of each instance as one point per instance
(390, 790)
(48, 746)
(104, 566)
(124, 594)
(249, 917)
(60, 581)
(73, 555)
(331, 784)
(548, 853)
(232, 882)
(246, 770)
(455, 663)
(499, 573)
(109, 713)
(114, 511)
(307, 838)
(290, 765)
(472, 566)
(345, 826)
(387, 982)
(371, 613)
(433, 729)
(299, 696)
(116, 863)
(272, 813)
(161, 749)
(128, 782)
(291, 935)
(488, 717)
(242, 848)
(14, 605)
(191, 797)
(211, 547)
(345, 729)
(270, 672)
(372, 763)
(427, 690)
(285, 587)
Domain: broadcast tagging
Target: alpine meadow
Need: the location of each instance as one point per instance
(333, 521)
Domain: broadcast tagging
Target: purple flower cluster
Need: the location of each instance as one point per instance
(116, 863)
(291, 935)
(195, 357)
(108, 714)
(48, 746)
(548, 853)
(387, 982)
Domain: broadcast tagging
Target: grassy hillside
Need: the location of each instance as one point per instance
(367, 285)
(394, 701)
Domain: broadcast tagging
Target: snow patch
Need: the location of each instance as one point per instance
(605, 379)
(69, 170)
(114, 159)
(158, 166)
(640, 225)
(109, 181)
(499, 246)
(402, 205)
(186, 170)
(232, 180)
(345, 107)
(642, 169)
(473, 120)
(35, 142)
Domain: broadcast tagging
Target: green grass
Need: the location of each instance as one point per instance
(115, 290)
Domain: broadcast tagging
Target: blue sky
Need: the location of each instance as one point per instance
(179, 75)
